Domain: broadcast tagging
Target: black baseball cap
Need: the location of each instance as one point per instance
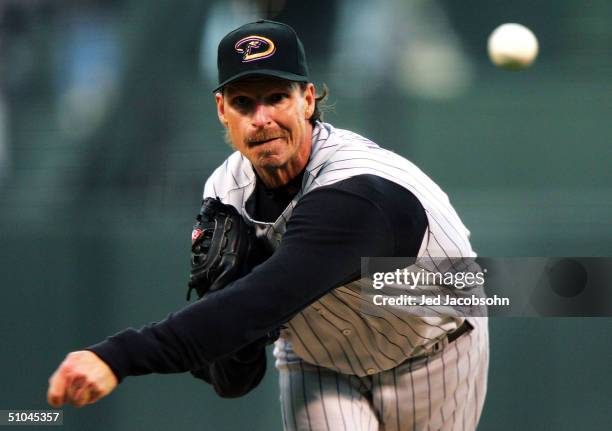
(261, 48)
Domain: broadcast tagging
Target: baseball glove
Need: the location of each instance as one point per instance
(221, 243)
(224, 249)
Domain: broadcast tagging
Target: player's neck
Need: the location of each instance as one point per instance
(279, 177)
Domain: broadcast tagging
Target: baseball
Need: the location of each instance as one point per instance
(512, 46)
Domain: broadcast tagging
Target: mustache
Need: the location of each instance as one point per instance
(265, 135)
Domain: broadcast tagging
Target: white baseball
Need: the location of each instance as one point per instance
(513, 46)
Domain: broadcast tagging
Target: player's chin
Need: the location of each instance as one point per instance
(270, 165)
(271, 160)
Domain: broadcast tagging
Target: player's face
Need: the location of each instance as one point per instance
(267, 121)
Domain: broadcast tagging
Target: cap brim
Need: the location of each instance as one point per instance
(262, 72)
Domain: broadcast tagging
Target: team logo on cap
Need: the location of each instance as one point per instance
(254, 48)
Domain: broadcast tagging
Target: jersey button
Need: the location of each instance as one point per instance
(371, 371)
(346, 331)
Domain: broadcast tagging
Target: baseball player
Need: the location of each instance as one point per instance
(317, 199)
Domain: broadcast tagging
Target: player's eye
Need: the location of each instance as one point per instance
(241, 102)
(277, 97)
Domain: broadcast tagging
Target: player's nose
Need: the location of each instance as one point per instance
(261, 115)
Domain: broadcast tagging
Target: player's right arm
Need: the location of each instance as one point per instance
(237, 374)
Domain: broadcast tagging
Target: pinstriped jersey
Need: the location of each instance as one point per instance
(344, 330)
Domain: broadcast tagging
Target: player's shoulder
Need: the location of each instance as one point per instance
(337, 150)
(332, 145)
(348, 138)
(234, 173)
(348, 154)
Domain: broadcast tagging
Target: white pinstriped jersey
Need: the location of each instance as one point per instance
(343, 330)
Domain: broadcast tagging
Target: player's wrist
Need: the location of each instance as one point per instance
(111, 353)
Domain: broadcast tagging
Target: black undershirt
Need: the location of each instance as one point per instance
(267, 205)
(330, 229)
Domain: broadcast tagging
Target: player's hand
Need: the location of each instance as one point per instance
(83, 378)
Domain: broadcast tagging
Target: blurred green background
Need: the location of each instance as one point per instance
(108, 131)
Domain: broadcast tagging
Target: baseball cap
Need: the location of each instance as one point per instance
(261, 48)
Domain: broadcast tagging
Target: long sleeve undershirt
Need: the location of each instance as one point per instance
(330, 230)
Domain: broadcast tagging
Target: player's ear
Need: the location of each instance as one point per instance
(309, 99)
(221, 108)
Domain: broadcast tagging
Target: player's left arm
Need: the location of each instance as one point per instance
(330, 230)
(82, 378)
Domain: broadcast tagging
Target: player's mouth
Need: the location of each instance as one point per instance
(255, 143)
